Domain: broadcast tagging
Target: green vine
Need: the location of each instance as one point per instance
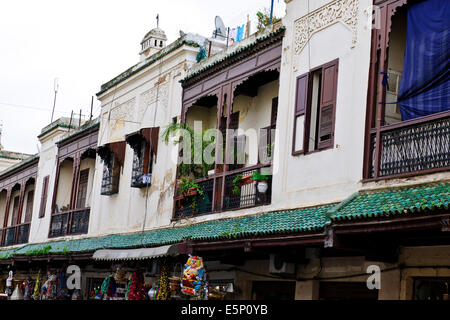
(38, 252)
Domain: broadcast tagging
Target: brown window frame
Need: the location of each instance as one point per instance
(44, 195)
(82, 189)
(303, 107)
(29, 206)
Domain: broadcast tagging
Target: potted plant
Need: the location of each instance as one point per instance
(236, 185)
(262, 181)
(190, 188)
(245, 179)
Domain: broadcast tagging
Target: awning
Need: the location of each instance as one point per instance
(150, 135)
(117, 148)
(136, 254)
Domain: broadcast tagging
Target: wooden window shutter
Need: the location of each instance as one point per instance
(327, 105)
(301, 103)
(234, 121)
(274, 114)
(301, 98)
(264, 148)
(15, 211)
(43, 197)
(82, 189)
(29, 207)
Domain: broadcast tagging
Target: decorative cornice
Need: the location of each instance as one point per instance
(344, 11)
(235, 56)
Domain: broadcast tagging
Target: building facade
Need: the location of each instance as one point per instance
(317, 177)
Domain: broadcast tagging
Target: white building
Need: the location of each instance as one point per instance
(348, 183)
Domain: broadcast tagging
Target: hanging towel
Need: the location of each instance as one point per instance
(240, 33)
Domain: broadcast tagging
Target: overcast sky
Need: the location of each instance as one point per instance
(85, 44)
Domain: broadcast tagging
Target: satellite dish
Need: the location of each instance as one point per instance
(221, 31)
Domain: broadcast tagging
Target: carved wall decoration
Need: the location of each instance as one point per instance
(344, 11)
(123, 111)
(149, 97)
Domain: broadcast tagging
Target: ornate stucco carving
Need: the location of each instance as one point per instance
(149, 97)
(123, 111)
(344, 11)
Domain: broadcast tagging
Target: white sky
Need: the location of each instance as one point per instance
(85, 44)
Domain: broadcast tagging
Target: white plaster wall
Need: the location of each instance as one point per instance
(334, 174)
(46, 166)
(6, 163)
(208, 117)
(331, 175)
(127, 210)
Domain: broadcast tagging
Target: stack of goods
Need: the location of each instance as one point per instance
(175, 286)
(95, 294)
(163, 288)
(17, 294)
(108, 288)
(62, 291)
(49, 289)
(120, 275)
(136, 288)
(29, 287)
(37, 287)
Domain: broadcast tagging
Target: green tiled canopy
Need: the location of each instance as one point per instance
(299, 220)
(365, 204)
(394, 201)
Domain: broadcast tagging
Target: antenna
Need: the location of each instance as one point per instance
(55, 88)
(220, 31)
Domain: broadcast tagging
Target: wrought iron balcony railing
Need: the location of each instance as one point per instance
(416, 146)
(14, 235)
(69, 223)
(240, 191)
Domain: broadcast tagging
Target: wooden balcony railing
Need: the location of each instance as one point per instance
(238, 194)
(415, 146)
(70, 222)
(15, 235)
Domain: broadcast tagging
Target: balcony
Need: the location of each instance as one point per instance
(240, 191)
(411, 147)
(15, 235)
(70, 222)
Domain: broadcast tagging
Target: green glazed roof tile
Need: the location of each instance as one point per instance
(299, 220)
(370, 204)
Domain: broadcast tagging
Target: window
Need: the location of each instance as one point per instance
(144, 144)
(82, 189)
(142, 166)
(43, 197)
(267, 136)
(113, 156)
(315, 108)
(29, 207)
(15, 212)
(110, 178)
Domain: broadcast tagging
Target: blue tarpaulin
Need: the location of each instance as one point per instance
(425, 83)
